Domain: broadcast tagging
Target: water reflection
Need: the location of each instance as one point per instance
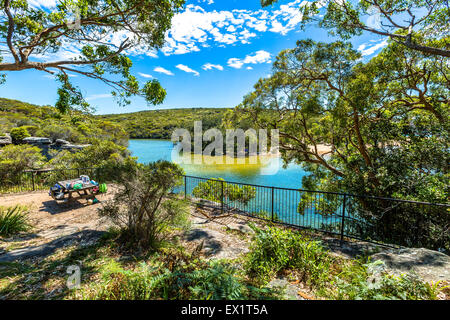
(263, 170)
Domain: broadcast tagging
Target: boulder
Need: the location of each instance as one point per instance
(60, 142)
(5, 140)
(37, 141)
(73, 146)
(430, 265)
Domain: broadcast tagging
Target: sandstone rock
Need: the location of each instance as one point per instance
(290, 290)
(428, 264)
(60, 142)
(37, 140)
(46, 144)
(73, 146)
(5, 140)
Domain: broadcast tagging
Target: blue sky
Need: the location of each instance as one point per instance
(214, 53)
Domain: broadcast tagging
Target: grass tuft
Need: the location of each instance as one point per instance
(13, 220)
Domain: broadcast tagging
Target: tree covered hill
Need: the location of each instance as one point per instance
(78, 127)
(47, 121)
(159, 124)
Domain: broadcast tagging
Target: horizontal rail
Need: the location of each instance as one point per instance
(324, 192)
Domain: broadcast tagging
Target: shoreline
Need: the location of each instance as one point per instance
(322, 149)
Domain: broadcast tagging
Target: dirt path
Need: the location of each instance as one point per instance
(54, 224)
(57, 225)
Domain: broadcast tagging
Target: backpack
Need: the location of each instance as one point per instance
(102, 188)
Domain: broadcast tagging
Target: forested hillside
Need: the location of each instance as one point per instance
(47, 121)
(159, 124)
(77, 127)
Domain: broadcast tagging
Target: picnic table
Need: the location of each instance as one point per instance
(85, 192)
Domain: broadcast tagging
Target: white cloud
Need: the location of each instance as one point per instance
(260, 56)
(145, 75)
(249, 68)
(187, 69)
(209, 66)
(369, 48)
(42, 3)
(98, 96)
(51, 76)
(288, 17)
(162, 70)
(197, 27)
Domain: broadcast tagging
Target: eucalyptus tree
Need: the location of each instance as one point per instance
(421, 25)
(385, 121)
(102, 33)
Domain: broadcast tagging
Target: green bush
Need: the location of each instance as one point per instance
(18, 134)
(211, 189)
(142, 208)
(13, 220)
(275, 249)
(178, 277)
(16, 158)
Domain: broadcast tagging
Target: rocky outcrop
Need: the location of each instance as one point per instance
(428, 264)
(5, 140)
(61, 144)
(73, 147)
(38, 141)
(41, 142)
(45, 144)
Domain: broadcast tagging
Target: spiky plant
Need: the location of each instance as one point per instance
(13, 220)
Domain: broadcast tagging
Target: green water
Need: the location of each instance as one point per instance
(262, 170)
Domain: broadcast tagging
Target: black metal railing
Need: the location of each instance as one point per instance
(375, 219)
(368, 218)
(34, 180)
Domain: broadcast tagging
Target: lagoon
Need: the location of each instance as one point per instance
(282, 202)
(149, 150)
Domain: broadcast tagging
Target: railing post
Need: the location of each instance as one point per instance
(272, 202)
(343, 218)
(185, 187)
(32, 179)
(222, 198)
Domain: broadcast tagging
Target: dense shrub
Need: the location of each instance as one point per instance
(142, 206)
(18, 134)
(274, 250)
(214, 189)
(175, 276)
(16, 158)
(55, 131)
(101, 154)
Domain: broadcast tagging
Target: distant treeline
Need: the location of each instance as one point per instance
(78, 127)
(159, 124)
